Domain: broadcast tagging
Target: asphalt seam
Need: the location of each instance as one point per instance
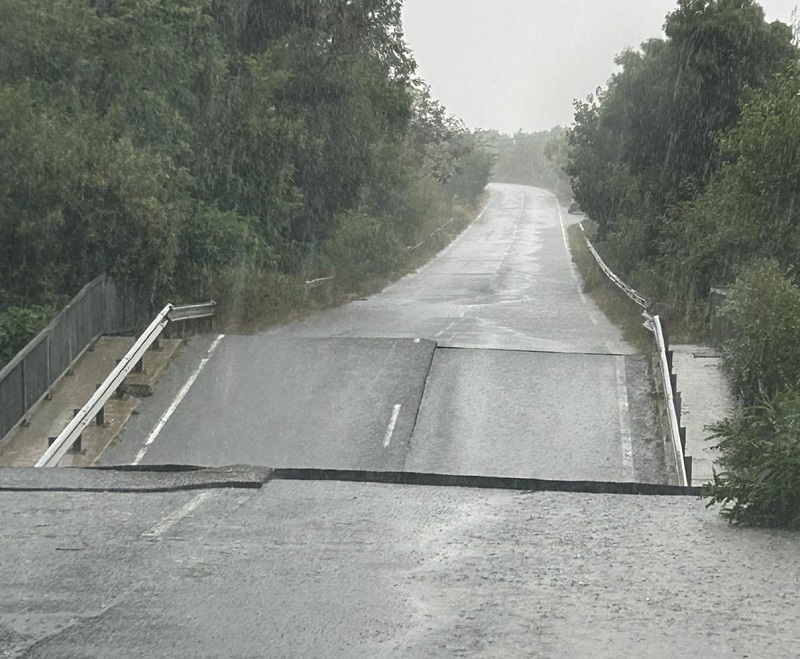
(541, 352)
(257, 481)
(230, 485)
(149, 479)
(422, 390)
(482, 482)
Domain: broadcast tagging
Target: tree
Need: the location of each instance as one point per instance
(175, 143)
(647, 144)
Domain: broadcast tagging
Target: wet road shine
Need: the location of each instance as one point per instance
(489, 360)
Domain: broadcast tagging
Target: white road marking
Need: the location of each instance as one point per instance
(450, 325)
(173, 518)
(624, 420)
(392, 423)
(573, 269)
(176, 401)
(563, 228)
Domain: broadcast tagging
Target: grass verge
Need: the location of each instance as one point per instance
(616, 306)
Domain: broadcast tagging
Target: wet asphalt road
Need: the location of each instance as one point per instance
(362, 570)
(231, 564)
(487, 361)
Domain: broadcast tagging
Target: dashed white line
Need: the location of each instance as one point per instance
(173, 518)
(624, 420)
(387, 439)
(176, 401)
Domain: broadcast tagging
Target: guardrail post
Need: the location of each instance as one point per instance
(50, 376)
(682, 432)
(24, 386)
(70, 436)
(100, 418)
(139, 366)
(687, 461)
(76, 447)
(678, 405)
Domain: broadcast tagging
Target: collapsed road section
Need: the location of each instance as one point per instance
(409, 405)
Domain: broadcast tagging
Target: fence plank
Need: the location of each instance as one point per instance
(99, 308)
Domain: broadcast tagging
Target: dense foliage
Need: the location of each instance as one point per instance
(656, 153)
(690, 162)
(760, 481)
(763, 355)
(183, 144)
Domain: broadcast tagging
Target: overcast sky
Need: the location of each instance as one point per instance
(517, 64)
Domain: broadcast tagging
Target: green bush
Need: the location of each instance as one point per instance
(363, 246)
(18, 325)
(248, 297)
(763, 357)
(760, 481)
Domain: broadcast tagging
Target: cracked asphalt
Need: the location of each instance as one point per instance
(489, 360)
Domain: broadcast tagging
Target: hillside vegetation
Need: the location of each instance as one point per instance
(689, 162)
(196, 148)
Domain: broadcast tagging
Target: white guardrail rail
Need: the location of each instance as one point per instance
(672, 413)
(654, 325)
(193, 311)
(64, 442)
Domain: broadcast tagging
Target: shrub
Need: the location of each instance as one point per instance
(363, 246)
(760, 481)
(249, 297)
(18, 326)
(763, 357)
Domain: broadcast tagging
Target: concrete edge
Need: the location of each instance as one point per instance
(165, 478)
(483, 482)
(172, 478)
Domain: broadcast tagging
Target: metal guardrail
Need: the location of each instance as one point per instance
(668, 380)
(193, 311)
(71, 434)
(83, 418)
(191, 319)
(313, 283)
(630, 292)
